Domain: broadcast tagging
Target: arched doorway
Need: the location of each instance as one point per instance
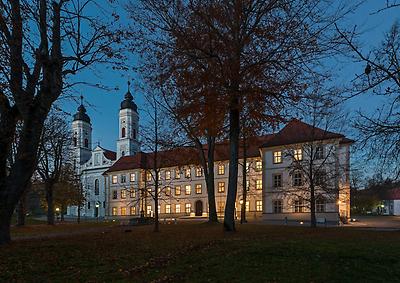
(199, 208)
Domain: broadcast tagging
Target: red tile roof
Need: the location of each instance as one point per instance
(184, 155)
(297, 131)
(109, 154)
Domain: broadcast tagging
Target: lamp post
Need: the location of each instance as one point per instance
(57, 212)
(97, 205)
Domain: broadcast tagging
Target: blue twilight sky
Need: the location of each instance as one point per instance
(103, 106)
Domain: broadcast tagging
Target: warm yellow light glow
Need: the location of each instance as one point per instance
(301, 222)
(57, 209)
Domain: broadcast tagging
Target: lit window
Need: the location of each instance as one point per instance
(247, 185)
(178, 190)
(187, 172)
(133, 177)
(247, 166)
(188, 208)
(168, 175)
(258, 165)
(148, 176)
(221, 206)
(198, 188)
(277, 157)
(114, 179)
(320, 204)
(159, 209)
(132, 193)
(258, 205)
(319, 152)
(221, 187)
(199, 172)
(188, 189)
(123, 179)
(148, 210)
(177, 208)
(277, 180)
(114, 211)
(277, 204)
(259, 184)
(123, 211)
(297, 179)
(177, 174)
(123, 194)
(247, 206)
(168, 208)
(221, 169)
(133, 210)
(298, 154)
(115, 194)
(298, 205)
(167, 191)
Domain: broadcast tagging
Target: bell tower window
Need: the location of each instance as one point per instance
(123, 132)
(134, 134)
(75, 142)
(86, 143)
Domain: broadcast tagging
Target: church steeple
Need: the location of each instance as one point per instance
(128, 142)
(82, 134)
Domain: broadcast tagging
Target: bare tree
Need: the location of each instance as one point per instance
(54, 154)
(259, 50)
(42, 45)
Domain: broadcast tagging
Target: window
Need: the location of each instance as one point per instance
(298, 154)
(277, 204)
(167, 191)
(148, 176)
(159, 209)
(75, 141)
(247, 167)
(187, 173)
(123, 194)
(277, 180)
(123, 179)
(221, 169)
(132, 193)
(221, 187)
(198, 188)
(319, 152)
(88, 205)
(114, 179)
(248, 185)
(247, 206)
(178, 190)
(177, 208)
(298, 205)
(148, 210)
(115, 194)
(168, 175)
(259, 184)
(320, 204)
(168, 208)
(96, 187)
(133, 210)
(319, 177)
(123, 132)
(297, 179)
(277, 157)
(221, 206)
(86, 143)
(114, 211)
(258, 205)
(177, 174)
(259, 165)
(188, 207)
(122, 153)
(133, 177)
(188, 189)
(199, 172)
(123, 211)
(134, 134)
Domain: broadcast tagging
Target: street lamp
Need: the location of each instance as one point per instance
(97, 210)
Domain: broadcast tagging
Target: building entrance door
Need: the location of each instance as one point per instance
(199, 208)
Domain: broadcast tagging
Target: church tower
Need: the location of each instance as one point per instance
(128, 141)
(82, 136)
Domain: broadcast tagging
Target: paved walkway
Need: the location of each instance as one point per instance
(389, 223)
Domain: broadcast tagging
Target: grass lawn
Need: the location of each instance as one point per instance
(197, 252)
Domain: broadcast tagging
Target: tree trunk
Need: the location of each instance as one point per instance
(156, 223)
(209, 174)
(244, 173)
(313, 220)
(62, 213)
(234, 131)
(21, 211)
(50, 204)
(5, 222)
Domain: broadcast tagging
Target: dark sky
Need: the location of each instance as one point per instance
(104, 105)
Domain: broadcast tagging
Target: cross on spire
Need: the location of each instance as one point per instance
(81, 99)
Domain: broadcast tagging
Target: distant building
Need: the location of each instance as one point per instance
(115, 183)
(391, 203)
